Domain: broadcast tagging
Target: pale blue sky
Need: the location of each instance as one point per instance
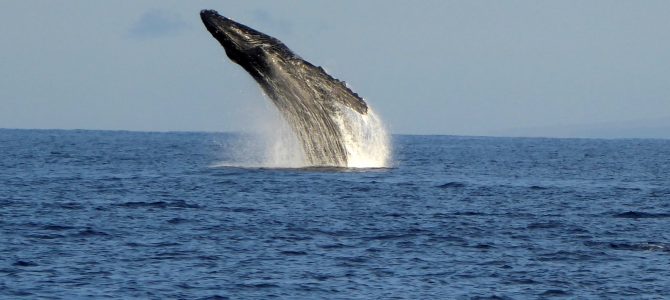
(553, 68)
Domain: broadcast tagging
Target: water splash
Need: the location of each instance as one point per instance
(365, 139)
(273, 144)
(269, 143)
(281, 146)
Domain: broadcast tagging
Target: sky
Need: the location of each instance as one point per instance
(499, 68)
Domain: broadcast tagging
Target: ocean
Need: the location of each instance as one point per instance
(114, 214)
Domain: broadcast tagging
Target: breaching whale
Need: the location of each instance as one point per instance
(310, 100)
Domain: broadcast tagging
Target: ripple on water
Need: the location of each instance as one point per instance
(641, 215)
(23, 263)
(452, 185)
(158, 204)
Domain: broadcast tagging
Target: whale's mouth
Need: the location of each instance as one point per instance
(243, 44)
(212, 20)
(223, 29)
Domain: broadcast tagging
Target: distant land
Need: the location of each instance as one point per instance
(640, 129)
(646, 129)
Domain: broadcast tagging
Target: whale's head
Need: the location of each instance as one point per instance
(245, 46)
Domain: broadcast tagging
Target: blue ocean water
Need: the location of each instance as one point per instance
(103, 214)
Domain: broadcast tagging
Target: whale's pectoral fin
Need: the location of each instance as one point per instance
(336, 91)
(350, 99)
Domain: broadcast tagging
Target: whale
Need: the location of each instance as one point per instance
(312, 102)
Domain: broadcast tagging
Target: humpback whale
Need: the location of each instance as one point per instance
(309, 99)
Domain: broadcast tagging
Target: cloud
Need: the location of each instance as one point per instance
(155, 24)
